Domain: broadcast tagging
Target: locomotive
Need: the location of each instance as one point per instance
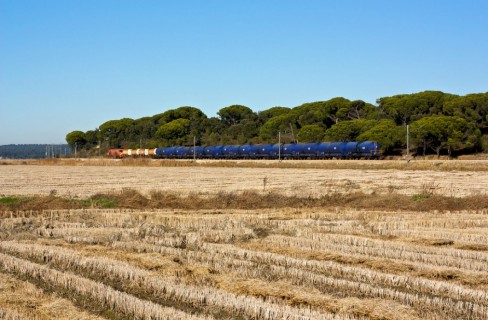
(319, 150)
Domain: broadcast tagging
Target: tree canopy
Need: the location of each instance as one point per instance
(444, 132)
(234, 114)
(349, 130)
(77, 138)
(440, 123)
(311, 133)
(387, 133)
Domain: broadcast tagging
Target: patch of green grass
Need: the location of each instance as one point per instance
(420, 197)
(9, 200)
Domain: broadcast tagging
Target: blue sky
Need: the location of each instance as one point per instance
(73, 64)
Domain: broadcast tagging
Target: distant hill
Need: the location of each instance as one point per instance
(34, 151)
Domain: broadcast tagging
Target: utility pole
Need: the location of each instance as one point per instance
(279, 146)
(408, 145)
(194, 149)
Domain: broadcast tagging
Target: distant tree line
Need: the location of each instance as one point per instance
(34, 151)
(439, 123)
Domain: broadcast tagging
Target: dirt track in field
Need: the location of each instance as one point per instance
(88, 180)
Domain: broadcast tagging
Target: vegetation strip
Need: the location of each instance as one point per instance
(129, 198)
(414, 165)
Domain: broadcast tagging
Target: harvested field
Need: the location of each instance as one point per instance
(23, 300)
(211, 255)
(84, 181)
(263, 264)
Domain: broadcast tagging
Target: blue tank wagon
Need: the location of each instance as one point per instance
(322, 150)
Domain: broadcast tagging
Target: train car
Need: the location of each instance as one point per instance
(267, 151)
(310, 150)
(152, 152)
(166, 153)
(292, 150)
(214, 152)
(351, 150)
(336, 150)
(194, 152)
(115, 153)
(145, 152)
(230, 152)
(321, 150)
(207, 152)
(369, 149)
(248, 151)
(181, 152)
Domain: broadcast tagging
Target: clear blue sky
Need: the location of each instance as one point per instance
(73, 64)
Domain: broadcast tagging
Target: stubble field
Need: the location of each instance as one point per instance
(312, 260)
(86, 180)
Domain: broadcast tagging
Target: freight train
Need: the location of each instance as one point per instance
(321, 150)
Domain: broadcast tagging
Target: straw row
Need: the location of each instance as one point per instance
(376, 248)
(340, 278)
(167, 288)
(105, 295)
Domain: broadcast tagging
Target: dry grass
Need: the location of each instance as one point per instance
(85, 181)
(23, 300)
(247, 200)
(467, 164)
(302, 263)
(214, 241)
